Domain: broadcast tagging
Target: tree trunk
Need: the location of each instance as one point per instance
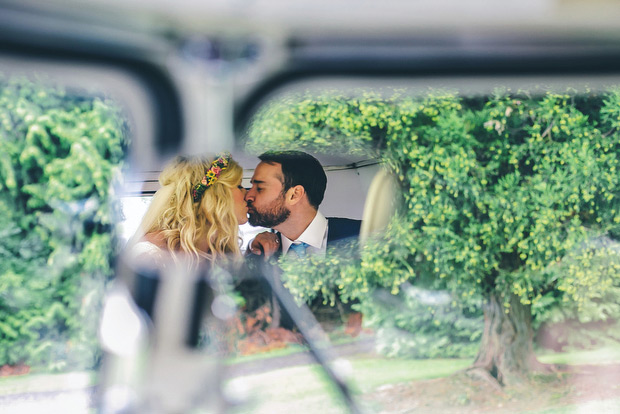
(506, 350)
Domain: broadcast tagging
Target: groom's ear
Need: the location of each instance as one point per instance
(295, 194)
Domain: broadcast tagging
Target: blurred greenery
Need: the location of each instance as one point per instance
(60, 153)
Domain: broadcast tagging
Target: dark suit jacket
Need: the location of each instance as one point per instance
(340, 228)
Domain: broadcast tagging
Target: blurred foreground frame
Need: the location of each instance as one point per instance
(564, 47)
(157, 357)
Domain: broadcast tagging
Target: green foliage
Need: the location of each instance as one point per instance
(419, 323)
(315, 276)
(586, 308)
(499, 192)
(59, 154)
(334, 123)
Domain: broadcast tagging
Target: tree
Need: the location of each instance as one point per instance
(60, 152)
(500, 193)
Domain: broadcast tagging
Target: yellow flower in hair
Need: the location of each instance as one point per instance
(211, 176)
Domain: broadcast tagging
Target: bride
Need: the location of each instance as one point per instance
(195, 214)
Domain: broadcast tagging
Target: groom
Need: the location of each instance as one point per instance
(287, 189)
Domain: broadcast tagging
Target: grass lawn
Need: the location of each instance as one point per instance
(594, 407)
(306, 389)
(42, 382)
(598, 356)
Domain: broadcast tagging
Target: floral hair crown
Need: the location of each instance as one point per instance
(211, 176)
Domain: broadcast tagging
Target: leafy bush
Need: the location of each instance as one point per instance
(581, 313)
(59, 155)
(420, 323)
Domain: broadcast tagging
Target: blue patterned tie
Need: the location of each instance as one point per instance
(299, 248)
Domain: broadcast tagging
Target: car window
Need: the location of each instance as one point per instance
(497, 232)
(64, 146)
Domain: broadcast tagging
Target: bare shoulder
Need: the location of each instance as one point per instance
(149, 250)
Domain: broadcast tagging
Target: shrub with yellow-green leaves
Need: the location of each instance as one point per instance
(499, 193)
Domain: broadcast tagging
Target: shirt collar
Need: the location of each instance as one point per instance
(314, 235)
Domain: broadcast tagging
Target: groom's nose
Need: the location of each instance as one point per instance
(249, 196)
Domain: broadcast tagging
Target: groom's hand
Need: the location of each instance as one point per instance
(265, 243)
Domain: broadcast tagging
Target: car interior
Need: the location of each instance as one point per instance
(195, 78)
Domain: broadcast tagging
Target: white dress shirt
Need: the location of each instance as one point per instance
(315, 236)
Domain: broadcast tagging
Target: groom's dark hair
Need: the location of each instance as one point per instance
(300, 168)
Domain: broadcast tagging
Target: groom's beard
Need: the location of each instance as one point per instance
(276, 213)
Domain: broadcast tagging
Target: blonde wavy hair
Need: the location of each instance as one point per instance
(185, 225)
